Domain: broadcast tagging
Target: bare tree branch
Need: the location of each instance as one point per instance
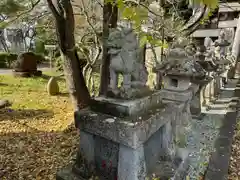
(33, 5)
(87, 17)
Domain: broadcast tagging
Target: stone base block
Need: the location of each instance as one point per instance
(118, 107)
(125, 148)
(129, 146)
(195, 105)
(174, 169)
(132, 130)
(176, 96)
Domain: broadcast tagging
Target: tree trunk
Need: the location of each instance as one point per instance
(64, 19)
(3, 42)
(110, 16)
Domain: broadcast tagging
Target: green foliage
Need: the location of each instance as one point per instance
(138, 14)
(10, 7)
(40, 58)
(59, 64)
(213, 4)
(40, 47)
(208, 16)
(146, 38)
(45, 31)
(7, 59)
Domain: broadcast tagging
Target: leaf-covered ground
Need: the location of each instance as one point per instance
(36, 134)
(234, 169)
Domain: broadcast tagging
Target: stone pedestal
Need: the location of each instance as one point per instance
(158, 79)
(180, 90)
(207, 92)
(198, 99)
(231, 73)
(224, 78)
(237, 70)
(126, 140)
(217, 88)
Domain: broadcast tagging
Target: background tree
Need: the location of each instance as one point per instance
(8, 8)
(63, 14)
(65, 24)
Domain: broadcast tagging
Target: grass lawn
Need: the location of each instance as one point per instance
(36, 134)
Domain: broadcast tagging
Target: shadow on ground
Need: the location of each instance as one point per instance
(36, 154)
(63, 94)
(3, 84)
(47, 77)
(12, 114)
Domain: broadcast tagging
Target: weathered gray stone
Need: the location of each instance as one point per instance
(4, 103)
(125, 59)
(237, 70)
(217, 85)
(130, 146)
(236, 45)
(52, 86)
(131, 164)
(206, 93)
(106, 157)
(118, 107)
(171, 83)
(26, 65)
(87, 147)
(195, 104)
(131, 131)
(182, 97)
(175, 96)
(168, 139)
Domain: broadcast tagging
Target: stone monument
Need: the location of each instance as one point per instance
(181, 81)
(52, 86)
(4, 103)
(214, 57)
(208, 87)
(26, 65)
(220, 57)
(128, 137)
(126, 60)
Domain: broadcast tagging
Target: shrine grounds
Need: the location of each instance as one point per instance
(37, 137)
(36, 133)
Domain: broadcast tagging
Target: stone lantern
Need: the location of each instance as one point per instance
(179, 86)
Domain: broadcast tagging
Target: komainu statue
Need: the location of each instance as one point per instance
(126, 59)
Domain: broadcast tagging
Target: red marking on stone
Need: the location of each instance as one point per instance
(110, 164)
(103, 164)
